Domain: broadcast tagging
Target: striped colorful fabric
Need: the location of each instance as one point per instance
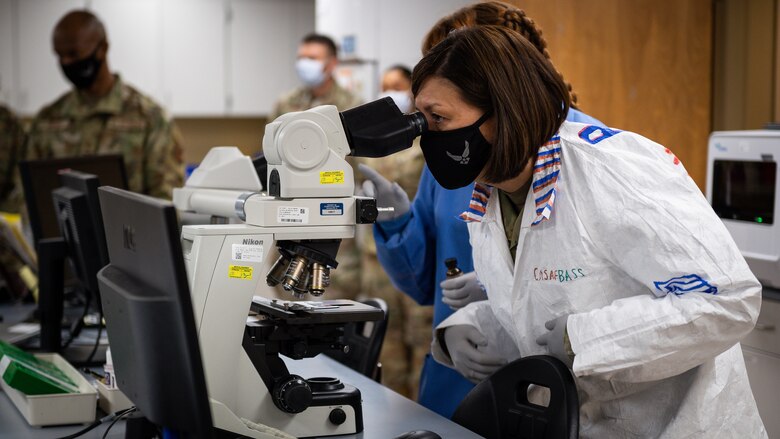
(478, 203)
(546, 169)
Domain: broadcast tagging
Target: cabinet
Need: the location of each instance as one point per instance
(136, 55)
(197, 58)
(193, 67)
(39, 81)
(761, 349)
(262, 57)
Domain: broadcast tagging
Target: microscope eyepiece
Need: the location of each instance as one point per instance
(378, 128)
(418, 122)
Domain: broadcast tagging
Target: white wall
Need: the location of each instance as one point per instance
(39, 80)
(7, 74)
(211, 57)
(388, 32)
(197, 58)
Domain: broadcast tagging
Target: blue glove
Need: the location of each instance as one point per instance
(461, 290)
(466, 346)
(387, 193)
(556, 340)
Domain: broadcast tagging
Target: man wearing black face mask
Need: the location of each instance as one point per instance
(103, 115)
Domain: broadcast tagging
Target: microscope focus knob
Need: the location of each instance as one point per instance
(292, 394)
(337, 417)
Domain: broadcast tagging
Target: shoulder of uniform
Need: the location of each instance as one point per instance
(345, 98)
(6, 113)
(621, 155)
(134, 99)
(590, 137)
(58, 107)
(295, 93)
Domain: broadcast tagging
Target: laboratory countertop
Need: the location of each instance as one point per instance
(386, 414)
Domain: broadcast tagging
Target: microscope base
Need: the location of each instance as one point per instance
(314, 422)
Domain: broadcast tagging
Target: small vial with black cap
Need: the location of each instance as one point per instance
(452, 268)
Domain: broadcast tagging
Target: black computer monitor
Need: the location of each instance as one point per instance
(77, 210)
(149, 314)
(41, 177)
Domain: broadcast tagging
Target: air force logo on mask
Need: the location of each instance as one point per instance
(463, 159)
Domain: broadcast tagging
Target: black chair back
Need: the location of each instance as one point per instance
(499, 408)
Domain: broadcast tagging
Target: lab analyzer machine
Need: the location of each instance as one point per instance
(742, 187)
(308, 207)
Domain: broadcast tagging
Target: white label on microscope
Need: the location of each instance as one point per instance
(247, 253)
(292, 215)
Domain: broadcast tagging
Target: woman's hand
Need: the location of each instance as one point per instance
(461, 290)
(466, 346)
(557, 340)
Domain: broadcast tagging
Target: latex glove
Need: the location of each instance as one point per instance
(461, 290)
(387, 193)
(557, 340)
(466, 346)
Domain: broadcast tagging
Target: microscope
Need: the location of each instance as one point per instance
(309, 207)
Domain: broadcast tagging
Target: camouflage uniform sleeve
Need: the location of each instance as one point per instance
(32, 147)
(12, 150)
(163, 161)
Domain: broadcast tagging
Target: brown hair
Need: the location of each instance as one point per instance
(498, 70)
(492, 13)
(325, 40)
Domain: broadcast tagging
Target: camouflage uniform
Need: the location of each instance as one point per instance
(11, 143)
(409, 328)
(124, 122)
(301, 99)
(346, 278)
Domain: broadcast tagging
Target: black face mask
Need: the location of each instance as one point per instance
(456, 157)
(83, 73)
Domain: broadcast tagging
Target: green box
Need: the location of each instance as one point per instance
(30, 375)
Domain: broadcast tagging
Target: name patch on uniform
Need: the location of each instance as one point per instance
(558, 274)
(125, 124)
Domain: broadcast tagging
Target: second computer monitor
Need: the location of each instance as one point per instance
(149, 314)
(41, 177)
(77, 210)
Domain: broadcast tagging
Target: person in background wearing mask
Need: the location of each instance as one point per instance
(413, 244)
(397, 84)
(409, 325)
(317, 60)
(104, 115)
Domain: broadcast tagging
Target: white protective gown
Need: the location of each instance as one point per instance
(618, 236)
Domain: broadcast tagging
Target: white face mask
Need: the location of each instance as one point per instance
(402, 100)
(310, 71)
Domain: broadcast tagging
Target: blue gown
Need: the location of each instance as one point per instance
(412, 250)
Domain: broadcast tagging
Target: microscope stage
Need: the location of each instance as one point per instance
(316, 312)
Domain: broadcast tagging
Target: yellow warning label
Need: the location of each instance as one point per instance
(240, 272)
(332, 177)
